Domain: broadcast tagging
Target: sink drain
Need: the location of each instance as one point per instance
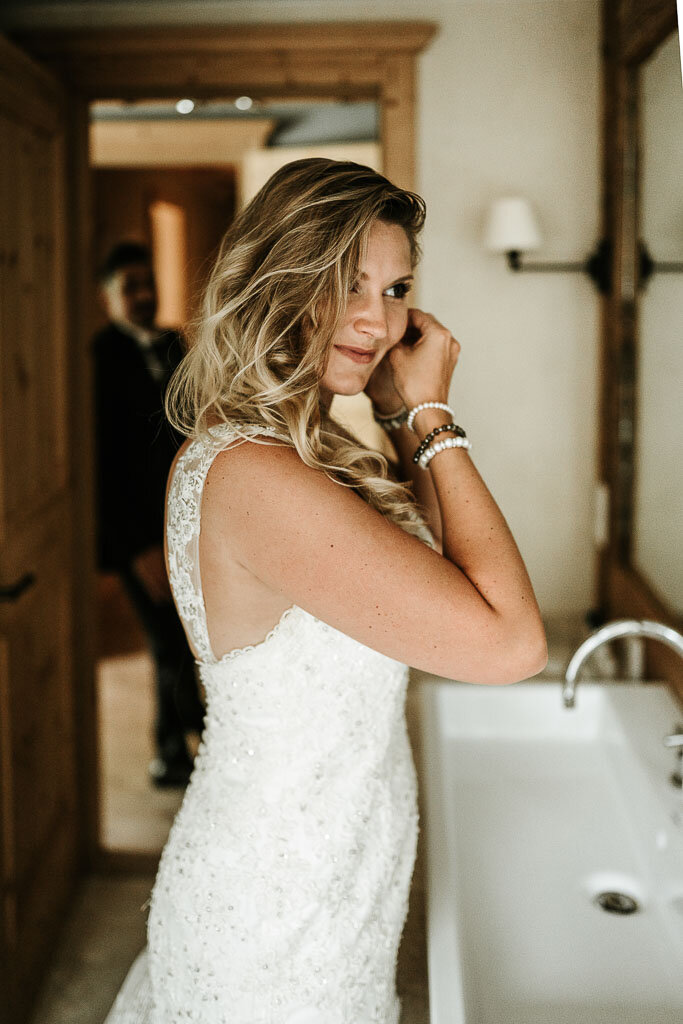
(617, 902)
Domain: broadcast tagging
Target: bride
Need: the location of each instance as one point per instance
(319, 573)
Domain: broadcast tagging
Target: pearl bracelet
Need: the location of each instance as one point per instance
(391, 422)
(440, 446)
(410, 419)
(452, 427)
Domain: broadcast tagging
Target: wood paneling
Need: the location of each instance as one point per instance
(644, 25)
(39, 791)
(371, 60)
(632, 29)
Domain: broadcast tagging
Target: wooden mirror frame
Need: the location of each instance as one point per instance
(365, 60)
(632, 30)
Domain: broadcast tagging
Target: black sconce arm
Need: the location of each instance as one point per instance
(647, 266)
(598, 266)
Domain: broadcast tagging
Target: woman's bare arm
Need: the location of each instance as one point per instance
(405, 443)
(469, 615)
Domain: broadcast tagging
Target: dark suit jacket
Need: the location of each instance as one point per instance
(135, 444)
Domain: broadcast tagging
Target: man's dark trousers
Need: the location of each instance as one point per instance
(178, 707)
(135, 448)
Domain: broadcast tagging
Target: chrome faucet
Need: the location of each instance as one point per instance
(611, 631)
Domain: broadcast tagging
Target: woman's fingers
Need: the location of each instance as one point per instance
(420, 319)
(380, 388)
(429, 330)
(429, 325)
(423, 370)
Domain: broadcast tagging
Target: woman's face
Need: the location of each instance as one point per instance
(376, 315)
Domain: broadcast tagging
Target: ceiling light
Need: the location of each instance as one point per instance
(244, 102)
(185, 106)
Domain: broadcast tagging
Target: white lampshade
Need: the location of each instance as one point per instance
(511, 226)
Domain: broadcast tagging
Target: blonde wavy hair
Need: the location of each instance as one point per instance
(273, 302)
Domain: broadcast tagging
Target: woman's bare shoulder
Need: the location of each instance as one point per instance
(246, 472)
(322, 547)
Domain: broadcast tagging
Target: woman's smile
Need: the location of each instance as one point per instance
(358, 355)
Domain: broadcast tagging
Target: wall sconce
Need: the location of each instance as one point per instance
(513, 229)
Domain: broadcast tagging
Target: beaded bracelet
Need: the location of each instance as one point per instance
(434, 433)
(410, 419)
(391, 422)
(440, 446)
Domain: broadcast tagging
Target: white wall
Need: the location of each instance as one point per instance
(509, 102)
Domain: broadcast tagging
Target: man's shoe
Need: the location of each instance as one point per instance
(170, 774)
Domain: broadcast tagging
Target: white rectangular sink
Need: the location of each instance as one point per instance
(532, 811)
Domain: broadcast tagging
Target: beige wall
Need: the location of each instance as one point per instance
(509, 101)
(509, 98)
(258, 165)
(173, 144)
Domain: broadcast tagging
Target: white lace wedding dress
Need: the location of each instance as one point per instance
(283, 888)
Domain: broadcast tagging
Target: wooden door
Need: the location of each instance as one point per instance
(38, 792)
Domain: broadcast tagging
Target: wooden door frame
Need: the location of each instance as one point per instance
(632, 30)
(351, 60)
(41, 831)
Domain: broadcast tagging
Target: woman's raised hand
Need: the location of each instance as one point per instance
(422, 369)
(418, 368)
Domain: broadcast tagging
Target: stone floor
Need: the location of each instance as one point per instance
(103, 935)
(134, 815)
(107, 926)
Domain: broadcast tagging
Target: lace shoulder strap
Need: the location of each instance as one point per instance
(183, 523)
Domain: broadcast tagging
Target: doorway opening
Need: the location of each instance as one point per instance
(172, 182)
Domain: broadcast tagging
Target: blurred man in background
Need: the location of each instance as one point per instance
(135, 448)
